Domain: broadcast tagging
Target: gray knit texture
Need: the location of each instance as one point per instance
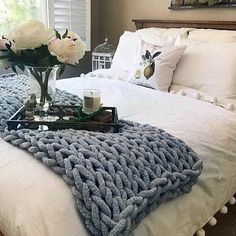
(116, 178)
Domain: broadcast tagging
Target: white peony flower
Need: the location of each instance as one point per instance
(30, 35)
(72, 35)
(68, 50)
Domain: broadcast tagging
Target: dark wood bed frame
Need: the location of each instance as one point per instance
(224, 221)
(221, 25)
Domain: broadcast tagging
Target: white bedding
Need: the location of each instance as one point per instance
(36, 202)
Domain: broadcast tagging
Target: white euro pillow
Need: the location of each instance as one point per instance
(162, 36)
(163, 32)
(207, 67)
(126, 52)
(211, 35)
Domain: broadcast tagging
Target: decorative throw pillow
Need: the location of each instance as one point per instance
(155, 65)
(128, 47)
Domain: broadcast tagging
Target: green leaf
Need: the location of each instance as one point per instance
(4, 57)
(21, 67)
(156, 54)
(144, 57)
(57, 34)
(14, 69)
(148, 54)
(65, 34)
(62, 69)
(153, 66)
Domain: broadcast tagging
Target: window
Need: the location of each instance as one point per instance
(74, 15)
(15, 12)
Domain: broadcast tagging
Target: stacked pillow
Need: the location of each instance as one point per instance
(208, 67)
(160, 35)
(132, 47)
(203, 62)
(211, 35)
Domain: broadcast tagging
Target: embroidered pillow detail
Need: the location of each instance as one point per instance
(154, 66)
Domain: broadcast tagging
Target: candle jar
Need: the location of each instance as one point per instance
(91, 100)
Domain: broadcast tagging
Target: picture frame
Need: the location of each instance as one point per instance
(192, 4)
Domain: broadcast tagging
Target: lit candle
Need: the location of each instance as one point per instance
(91, 100)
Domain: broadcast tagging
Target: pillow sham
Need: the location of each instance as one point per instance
(207, 67)
(163, 32)
(162, 37)
(211, 35)
(126, 52)
(155, 65)
(129, 45)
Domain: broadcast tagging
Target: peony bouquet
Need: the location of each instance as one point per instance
(33, 44)
(42, 51)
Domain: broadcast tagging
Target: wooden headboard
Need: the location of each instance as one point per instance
(221, 25)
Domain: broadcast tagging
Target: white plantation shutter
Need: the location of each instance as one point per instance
(74, 15)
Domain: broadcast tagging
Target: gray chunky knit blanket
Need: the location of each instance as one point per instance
(116, 179)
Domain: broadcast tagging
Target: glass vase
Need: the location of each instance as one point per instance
(43, 84)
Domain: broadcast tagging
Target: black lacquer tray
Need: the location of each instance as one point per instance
(63, 117)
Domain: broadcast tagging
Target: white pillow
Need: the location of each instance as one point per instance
(162, 37)
(155, 65)
(126, 52)
(211, 35)
(129, 44)
(207, 67)
(163, 32)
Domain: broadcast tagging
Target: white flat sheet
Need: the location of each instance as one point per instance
(36, 202)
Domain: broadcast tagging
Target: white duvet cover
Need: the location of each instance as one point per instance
(34, 201)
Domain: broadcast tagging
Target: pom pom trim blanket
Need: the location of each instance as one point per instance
(116, 179)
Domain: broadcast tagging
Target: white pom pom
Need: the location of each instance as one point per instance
(201, 232)
(230, 107)
(213, 221)
(90, 75)
(197, 95)
(224, 210)
(172, 92)
(82, 75)
(182, 93)
(214, 100)
(232, 201)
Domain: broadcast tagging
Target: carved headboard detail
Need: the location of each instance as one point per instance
(221, 25)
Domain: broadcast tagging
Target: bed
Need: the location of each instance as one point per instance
(35, 201)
